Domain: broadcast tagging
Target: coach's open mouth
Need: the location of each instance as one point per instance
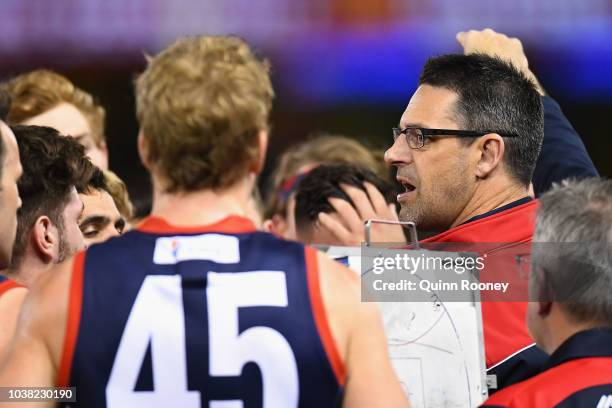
(409, 189)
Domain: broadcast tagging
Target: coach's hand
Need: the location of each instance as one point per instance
(492, 43)
(349, 230)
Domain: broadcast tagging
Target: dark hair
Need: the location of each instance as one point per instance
(317, 149)
(97, 181)
(5, 107)
(52, 165)
(5, 104)
(323, 182)
(493, 96)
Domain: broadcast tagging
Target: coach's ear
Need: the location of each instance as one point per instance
(490, 150)
(143, 150)
(263, 147)
(45, 238)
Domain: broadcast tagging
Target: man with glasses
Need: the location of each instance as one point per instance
(465, 151)
(467, 143)
(471, 135)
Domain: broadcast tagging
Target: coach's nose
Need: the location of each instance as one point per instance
(399, 153)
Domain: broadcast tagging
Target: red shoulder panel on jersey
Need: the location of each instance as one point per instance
(73, 319)
(8, 285)
(320, 316)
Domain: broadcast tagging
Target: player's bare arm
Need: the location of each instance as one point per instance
(359, 335)
(10, 304)
(34, 354)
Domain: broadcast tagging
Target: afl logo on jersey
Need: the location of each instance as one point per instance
(218, 248)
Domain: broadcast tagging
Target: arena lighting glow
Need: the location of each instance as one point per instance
(369, 50)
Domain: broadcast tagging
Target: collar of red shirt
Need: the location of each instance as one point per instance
(513, 225)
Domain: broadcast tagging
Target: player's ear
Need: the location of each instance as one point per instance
(275, 225)
(490, 149)
(262, 141)
(143, 150)
(45, 238)
(544, 308)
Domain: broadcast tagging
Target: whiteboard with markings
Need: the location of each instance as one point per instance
(436, 348)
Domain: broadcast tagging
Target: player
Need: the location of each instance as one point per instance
(46, 98)
(293, 165)
(100, 219)
(11, 293)
(322, 185)
(55, 168)
(195, 308)
(47, 231)
(119, 192)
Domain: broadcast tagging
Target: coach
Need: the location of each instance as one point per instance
(465, 151)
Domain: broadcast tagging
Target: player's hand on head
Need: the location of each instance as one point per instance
(497, 44)
(348, 226)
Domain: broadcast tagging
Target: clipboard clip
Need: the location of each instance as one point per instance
(409, 225)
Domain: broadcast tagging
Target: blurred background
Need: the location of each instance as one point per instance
(340, 66)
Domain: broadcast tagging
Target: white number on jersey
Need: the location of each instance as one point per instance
(157, 317)
(605, 401)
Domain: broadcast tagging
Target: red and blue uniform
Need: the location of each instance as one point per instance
(7, 284)
(577, 374)
(220, 315)
(511, 354)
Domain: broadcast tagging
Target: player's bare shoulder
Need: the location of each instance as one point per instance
(45, 309)
(10, 305)
(34, 354)
(339, 288)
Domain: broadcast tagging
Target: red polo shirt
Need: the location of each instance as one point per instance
(509, 349)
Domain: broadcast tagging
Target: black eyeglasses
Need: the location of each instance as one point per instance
(415, 136)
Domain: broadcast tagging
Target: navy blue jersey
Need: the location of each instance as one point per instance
(219, 316)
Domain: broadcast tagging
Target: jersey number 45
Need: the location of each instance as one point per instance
(157, 318)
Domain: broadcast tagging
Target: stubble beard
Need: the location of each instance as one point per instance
(65, 250)
(436, 210)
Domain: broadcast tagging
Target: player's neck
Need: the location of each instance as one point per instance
(489, 196)
(202, 207)
(563, 328)
(29, 269)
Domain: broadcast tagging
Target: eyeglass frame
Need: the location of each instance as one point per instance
(426, 132)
